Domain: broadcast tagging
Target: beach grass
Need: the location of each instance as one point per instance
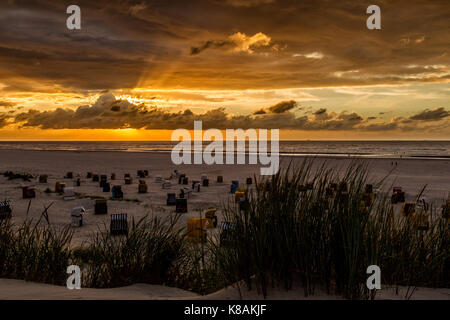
(34, 251)
(312, 226)
(287, 232)
(149, 253)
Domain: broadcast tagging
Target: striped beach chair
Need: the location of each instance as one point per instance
(119, 224)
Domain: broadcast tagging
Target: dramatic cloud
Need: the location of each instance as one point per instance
(237, 42)
(126, 44)
(431, 115)
(109, 113)
(245, 55)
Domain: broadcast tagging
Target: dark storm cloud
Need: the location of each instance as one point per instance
(110, 51)
(123, 44)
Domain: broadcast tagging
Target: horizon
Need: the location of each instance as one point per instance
(285, 140)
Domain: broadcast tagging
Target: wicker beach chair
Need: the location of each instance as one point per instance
(119, 224)
(181, 205)
(171, 199)
(28, 192)
(117, 192)
(5, 210)
(101, 206)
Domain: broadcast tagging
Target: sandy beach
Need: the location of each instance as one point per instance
(411, 174)
(22, 290)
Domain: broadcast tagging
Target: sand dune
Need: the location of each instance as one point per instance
(22, 290)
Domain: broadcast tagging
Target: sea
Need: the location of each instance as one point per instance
(368, 149)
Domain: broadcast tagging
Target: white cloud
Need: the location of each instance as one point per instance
(312, 55)
(346, 74)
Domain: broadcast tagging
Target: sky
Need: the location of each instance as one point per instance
(136, 70)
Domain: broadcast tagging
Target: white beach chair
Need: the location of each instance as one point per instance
(69, 193)
(77, 216)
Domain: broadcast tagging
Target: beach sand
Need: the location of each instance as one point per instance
(21, 290)
(411, 174)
